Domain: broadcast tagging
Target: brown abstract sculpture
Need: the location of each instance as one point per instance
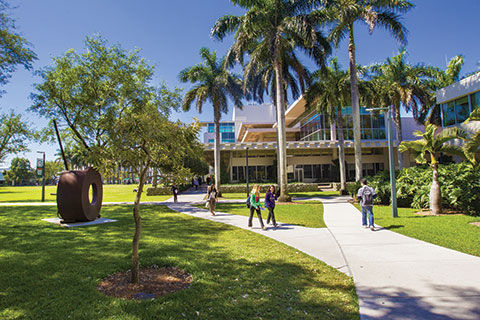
(74, 201)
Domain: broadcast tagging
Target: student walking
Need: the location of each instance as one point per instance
(255, 206)
(366, 195)
(212, 199)
(195, 183)
(270, 198)
(175, 193)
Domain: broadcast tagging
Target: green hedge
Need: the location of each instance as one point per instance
(294, 187)
(459, 183)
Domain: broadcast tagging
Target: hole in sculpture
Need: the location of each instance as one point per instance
(92, 194)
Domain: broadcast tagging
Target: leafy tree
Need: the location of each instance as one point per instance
(87, 91)
(142, 137)
(215, 83)
(398, 84)
(114, 115)
(52, 168)
(20, 171)
(270, 33)
(329, 94)
(427, 150)
(14, 134)
(343, 14)
(14, 49)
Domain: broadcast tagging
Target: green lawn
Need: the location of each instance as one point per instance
(293, 195)
(306, 214)
(111, 193)
(450, 231)
(50, 272)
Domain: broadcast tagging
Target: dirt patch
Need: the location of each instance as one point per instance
(475, 223)
(154, 282)
(445, 212)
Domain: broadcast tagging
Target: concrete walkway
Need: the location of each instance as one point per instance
(396, 277)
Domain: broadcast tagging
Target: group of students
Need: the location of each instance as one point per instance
(253, 203)
(256, 206)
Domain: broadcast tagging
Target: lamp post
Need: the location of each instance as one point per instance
(247, 169)
(388, 111)
(43, 176)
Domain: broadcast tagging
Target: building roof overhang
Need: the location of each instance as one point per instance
(328, 144)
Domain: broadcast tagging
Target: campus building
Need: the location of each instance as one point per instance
(312, 144)
(458, 100)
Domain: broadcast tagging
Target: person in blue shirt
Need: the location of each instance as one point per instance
(255, 206)
(270, 198)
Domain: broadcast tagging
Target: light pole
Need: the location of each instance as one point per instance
(388, 111)
(43, 176)
(247, 169)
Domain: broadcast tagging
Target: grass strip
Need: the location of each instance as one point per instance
(450, 231)
(306, 214)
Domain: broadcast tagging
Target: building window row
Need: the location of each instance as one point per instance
(224, 127)
(457, 111)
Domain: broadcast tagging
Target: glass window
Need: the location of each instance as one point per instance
(448, 113)
(228, 137)
(475, 98)
(462, 109)
(211, 127)
(307, 171)
(211, 140)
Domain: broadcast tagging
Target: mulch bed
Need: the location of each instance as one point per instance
(154, 282)
(445, 212)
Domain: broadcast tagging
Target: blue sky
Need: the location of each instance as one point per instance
(170, 34)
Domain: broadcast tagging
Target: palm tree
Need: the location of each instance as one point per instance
(428, 148)
(473, 143)
(215, 83)
(329, 94)
(398, 84)
(270, 32)
(343, 14)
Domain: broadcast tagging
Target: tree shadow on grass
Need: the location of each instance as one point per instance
(453, 302)
(52, 272)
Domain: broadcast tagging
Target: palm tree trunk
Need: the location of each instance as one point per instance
(282, 144)
(138, 224)
(435, 192)
(216, 150)
(398, 134)
(357, 138)
(341, 152)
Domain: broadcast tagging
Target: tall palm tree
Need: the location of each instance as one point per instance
(344, 14)
(270, 32)
(329, 94)
(215, 83)
(428, 148)
(398, 84)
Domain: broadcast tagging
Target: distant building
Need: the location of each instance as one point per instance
(312, 143)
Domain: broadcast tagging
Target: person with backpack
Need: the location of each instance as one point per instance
(270, 198)
(255, 206)
(366, 195)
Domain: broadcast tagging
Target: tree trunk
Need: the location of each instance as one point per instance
(282, 144)
(398, 134)
(357, 137)
(435, 192)
(216, 150)
(341, 152)
(138, 224)
(155, 178)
